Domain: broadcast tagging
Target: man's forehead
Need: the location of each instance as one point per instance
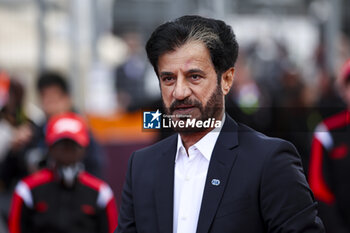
(189, 56)
(52, 88)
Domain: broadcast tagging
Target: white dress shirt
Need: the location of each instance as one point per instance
(190, 176)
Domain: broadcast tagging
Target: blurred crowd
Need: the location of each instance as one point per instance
(273, 96)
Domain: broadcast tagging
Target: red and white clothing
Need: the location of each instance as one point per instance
(41, 203)
(329, 171)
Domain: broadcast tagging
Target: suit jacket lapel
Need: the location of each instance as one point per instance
(164, 190)
(221, 163)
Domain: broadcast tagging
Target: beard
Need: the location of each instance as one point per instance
(212, 109)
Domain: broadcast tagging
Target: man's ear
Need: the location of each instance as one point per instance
(227, 80)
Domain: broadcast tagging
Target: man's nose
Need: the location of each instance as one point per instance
(182, 89)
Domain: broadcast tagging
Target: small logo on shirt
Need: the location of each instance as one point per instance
(88, 209)
(41, 207)
(151, 120)
(215, 182)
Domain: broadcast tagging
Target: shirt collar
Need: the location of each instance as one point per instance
(205, 145)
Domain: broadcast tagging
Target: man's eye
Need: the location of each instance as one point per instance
(167, 79)
(195, 77)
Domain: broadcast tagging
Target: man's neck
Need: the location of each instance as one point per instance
(191, 138)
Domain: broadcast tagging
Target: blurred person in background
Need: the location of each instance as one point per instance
(63, 198)
(247, 101)
(16, 134)
(130, 76)
(330, 164)
(293, 112)
(54, 94)
(329, 101)
(16, 131)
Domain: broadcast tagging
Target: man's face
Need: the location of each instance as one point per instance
(66, 152)
(189, 83)
(54, 101)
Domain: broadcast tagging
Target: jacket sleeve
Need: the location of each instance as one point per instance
(109, 214)
(126, 220)
(20, 210)
(319, 180)
(287, 203)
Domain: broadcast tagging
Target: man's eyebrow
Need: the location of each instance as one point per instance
(195, 71)
(166, 74)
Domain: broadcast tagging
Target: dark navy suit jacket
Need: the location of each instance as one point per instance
(262, 187)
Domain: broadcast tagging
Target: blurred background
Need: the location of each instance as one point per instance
(290, 56)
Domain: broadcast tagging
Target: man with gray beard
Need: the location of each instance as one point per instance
(226, 179)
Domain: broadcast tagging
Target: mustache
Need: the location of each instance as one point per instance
(187, 101)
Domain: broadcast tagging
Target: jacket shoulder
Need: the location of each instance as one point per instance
(337, 121)
(261, 142)
(39, 178)
(91, 181)
(159, 146)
